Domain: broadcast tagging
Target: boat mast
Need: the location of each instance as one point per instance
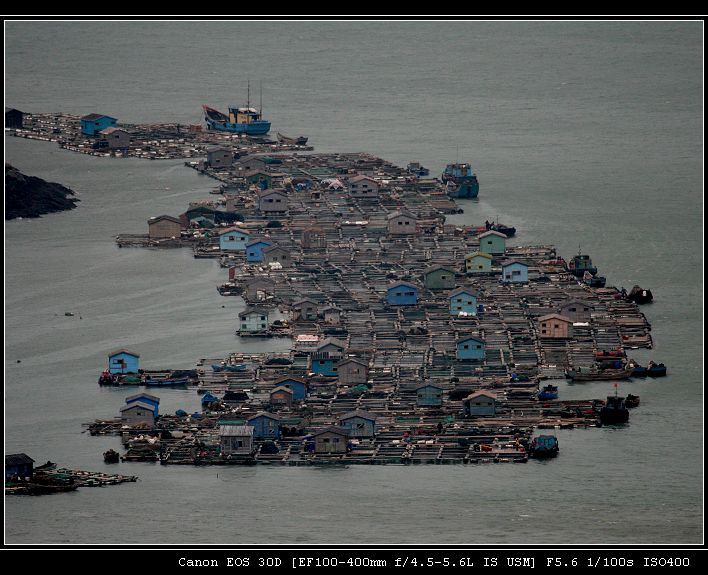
(248, 98)
(260, 111)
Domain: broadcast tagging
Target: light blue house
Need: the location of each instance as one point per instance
(254, 250)
(297, 386)
(324, 359)
(492, 243)
(92, 124)
(233, 239)
(463, 301)
(359, 423)
(470, 348)
(429, 395)
(145, 398)
(515, 271)
(265, 425)
(123, 361)
(402, 293)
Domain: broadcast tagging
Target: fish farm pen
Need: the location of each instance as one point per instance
(413, 340)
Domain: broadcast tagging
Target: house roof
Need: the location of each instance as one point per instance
(331, 341)
(511, 262)
(281, 388)
(18, 459)
(331, 429)
(94, 117)
(269, 192)
(264, 414)
(434, 385)
(12, 110)
(284, 379)
(236, 431)
(135, 404)
(233, 229)
(271, 249)
(111, 130)
(469, 337)
(212, 149)
(400, 213)
(459, 290)
(432, 269)
(401, 283)
(480, 393)
(478, 254)
(252, 310)
(145, 395)
(301, 301)
(361, 178)
(358, 413)
(555, 316)
(254, 242)
(354, 360)
(156, 219)
(492, 233)
(123, 350)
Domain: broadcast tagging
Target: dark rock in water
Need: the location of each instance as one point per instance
(30, 197)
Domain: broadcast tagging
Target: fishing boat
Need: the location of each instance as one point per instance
(543, 447)
(577, 374)
(548, 392)
(239, 120)
(631, 401)
(508, 231)
(656, 369)
(417, 170)
(595, 281)
(461, 181)
(580, 264)
(640, 296)
(615, 409)
(299, 141)
(106, 378)
(155, 382)
(111, 456)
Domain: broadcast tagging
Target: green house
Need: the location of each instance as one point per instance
(493, 243)
(439, 277)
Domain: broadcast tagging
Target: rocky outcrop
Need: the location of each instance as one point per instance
(30, 197)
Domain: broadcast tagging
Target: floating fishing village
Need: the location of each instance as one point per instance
(413, 340)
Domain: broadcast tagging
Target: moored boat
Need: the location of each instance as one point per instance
(417, 170)
(615, 409)
(166, 382)
(580, 264)
(298, 141)
(578, 374)
(631, 401)
(461, 181)
(656, 369)
(640, 296)
(111, 456)
(543, 447)
(239, 120)
(548, 392)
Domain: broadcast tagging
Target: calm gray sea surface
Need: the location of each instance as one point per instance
(581, 134)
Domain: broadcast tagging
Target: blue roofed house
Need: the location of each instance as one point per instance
(514, 271)
(92, 124)
(123, 361)
(493, 243)
(297, 386)
(324, 360)
(265, 425)
(463, 301)
(145, 398)
(359, 423)
(429, 395)
(402, 293)
(233, 239)
(470, 348)
(254, 250)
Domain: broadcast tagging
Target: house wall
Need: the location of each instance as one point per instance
(359, 427)
(123, 363)
(220, 158)
(253, 322)
(92, 127)
(330, 443)
(254, 253)
(281, 397)
(515, 273)
(352, 373)
(298, 388)
(280, 256)
(471, 349)
(429, 396)
(440, 279)
(155, 404)
(553, 328)
(324, 366)
(492, 244)
(463, 303)
(236, 445)
(478, 264)
(117, 139)
(576, 311)
(480, 406)
(265, 428)
(164, 229)
(402, 295)
(136, 415)
(402, 225)
(273, 203)
(233, 241)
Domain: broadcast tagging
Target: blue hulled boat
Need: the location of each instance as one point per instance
(548, 392)
(239, 120)
(461, 181)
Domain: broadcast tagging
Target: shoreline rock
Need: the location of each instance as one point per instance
(31, 197)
